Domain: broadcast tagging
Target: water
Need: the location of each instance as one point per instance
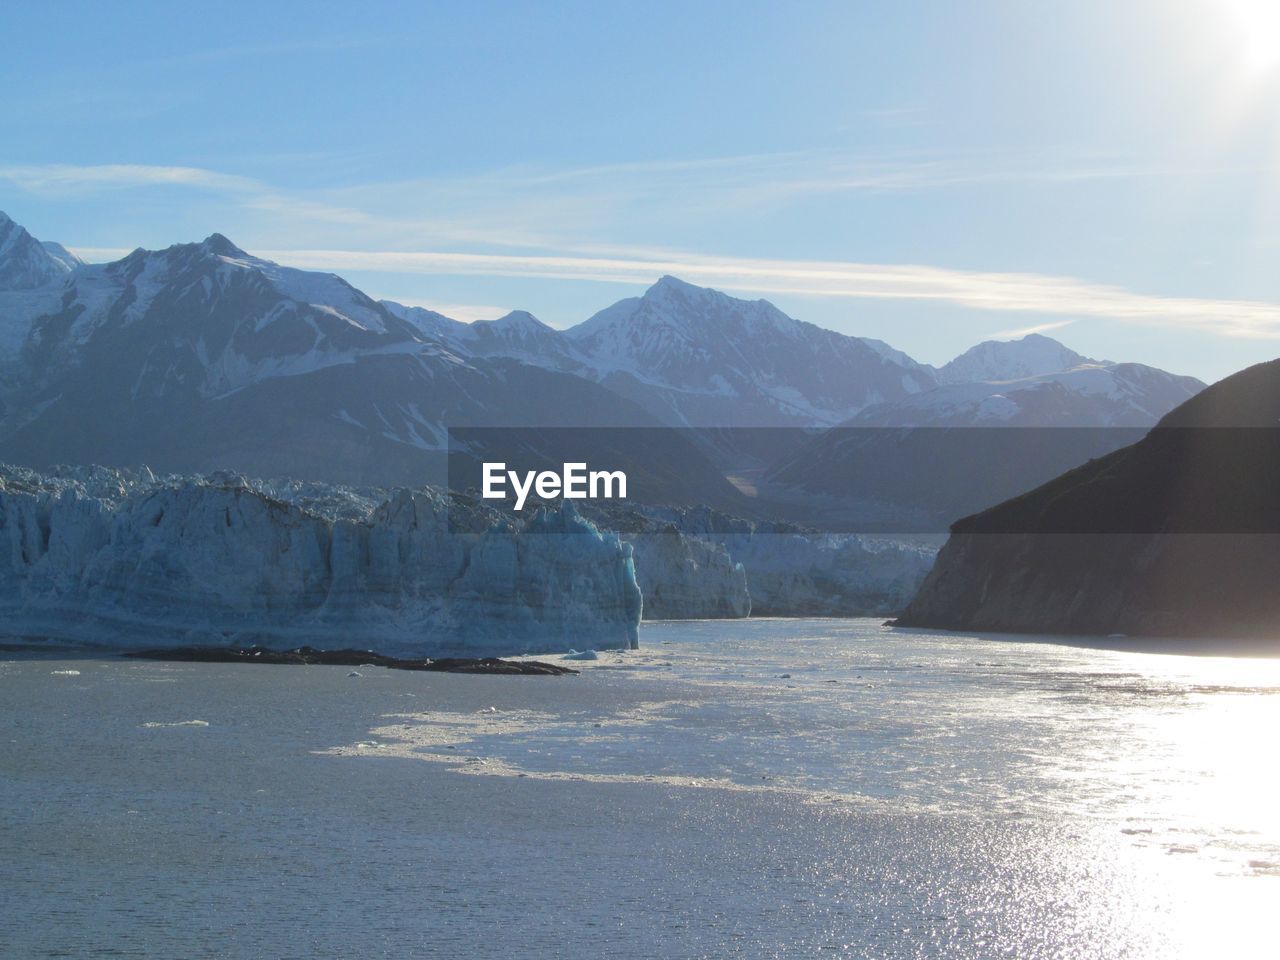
(754, 789)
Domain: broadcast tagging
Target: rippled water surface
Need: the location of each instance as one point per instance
(755, 789)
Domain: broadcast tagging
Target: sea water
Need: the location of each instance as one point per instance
(763, 788)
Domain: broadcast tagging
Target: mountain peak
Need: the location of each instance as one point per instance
(667, 286)
(26, 263)
(61, 254)
(220, 246)
(518, 319)
(1032, 355)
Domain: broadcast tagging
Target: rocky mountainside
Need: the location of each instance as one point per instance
(1178, 534)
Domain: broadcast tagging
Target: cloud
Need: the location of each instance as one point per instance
(466, 312)
(99, 254)
(991, 291)
(508, 210)
(1019, 332)
(63, 177)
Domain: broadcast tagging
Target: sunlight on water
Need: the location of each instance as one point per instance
(755, 789)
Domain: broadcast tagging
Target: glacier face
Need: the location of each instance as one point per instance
(696, 563)
(128, 560)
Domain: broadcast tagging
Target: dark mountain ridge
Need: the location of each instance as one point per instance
(1178, 534)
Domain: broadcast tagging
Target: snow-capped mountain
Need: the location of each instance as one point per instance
(433, 325)
(1088, 395)
(26, 263)
(519, 335)
(202, 357)
(697, 357)
(903, 455)
(210, 318)
(998, 360)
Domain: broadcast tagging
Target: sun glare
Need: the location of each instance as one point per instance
(1258, 25)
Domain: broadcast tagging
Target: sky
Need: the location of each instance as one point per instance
(929, 173)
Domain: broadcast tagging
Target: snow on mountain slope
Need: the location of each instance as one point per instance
(697, 357)
(522, 336)
(905, 456)
(433, 325)
(60, 254)
(201, 357)
(127, 560)
(32, 275)
(1030, 356)
(1088, 395)
(212, 317)
(26, 263)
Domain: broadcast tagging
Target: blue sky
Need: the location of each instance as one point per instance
(931, 174)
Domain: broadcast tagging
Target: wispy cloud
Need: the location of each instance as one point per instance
(466, 312)
(527, 206)
(1004, 292)
(291, 210)
(504, 214)
(66, 177)
(1019, 332)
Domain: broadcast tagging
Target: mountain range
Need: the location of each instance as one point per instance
(201, 356)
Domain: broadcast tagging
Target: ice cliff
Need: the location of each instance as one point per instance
(125, 559)
(697, 562)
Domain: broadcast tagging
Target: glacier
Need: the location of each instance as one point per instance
(698, 563)
(127, 559)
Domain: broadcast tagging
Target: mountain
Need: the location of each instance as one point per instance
(519, 335)
(522, 336)
(905, 459)
(432, 325)
(31, 278)
(202, 357)
(26, 263)
(999, 360)
(1177, 534)
(697, 357)
(1087, 395)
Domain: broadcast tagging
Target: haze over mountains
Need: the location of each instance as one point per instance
(202, 356)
